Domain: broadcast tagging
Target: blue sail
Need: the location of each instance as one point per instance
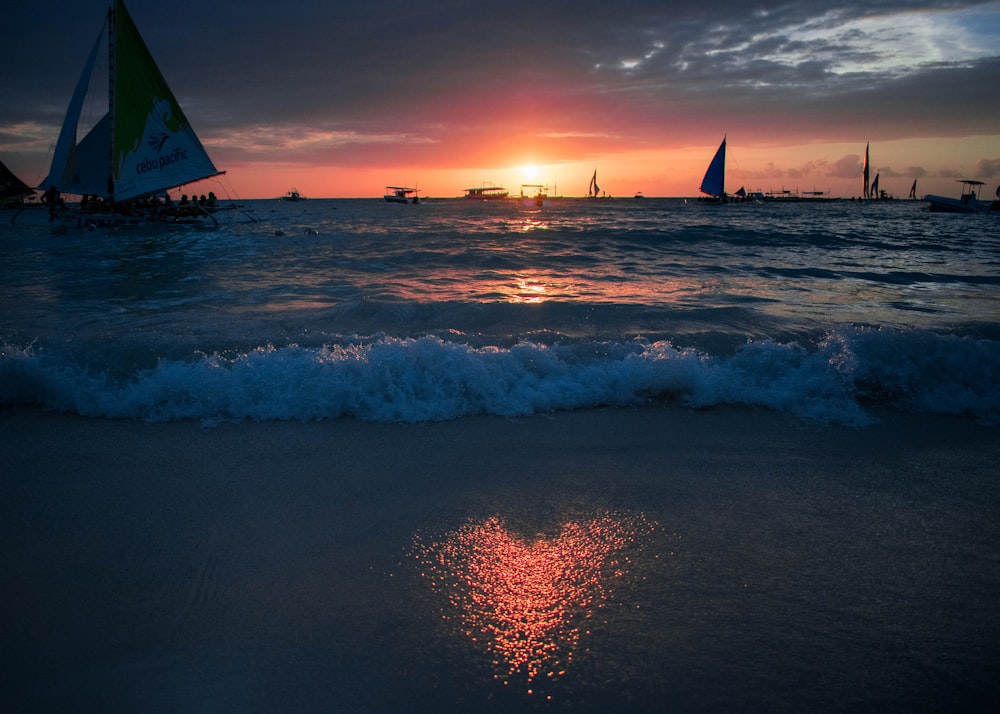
(715, 178)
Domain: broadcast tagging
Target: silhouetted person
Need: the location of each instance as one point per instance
(51, 199)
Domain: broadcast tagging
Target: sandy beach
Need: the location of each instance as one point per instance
(268, 567)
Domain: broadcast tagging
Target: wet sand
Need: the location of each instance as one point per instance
(268, 566)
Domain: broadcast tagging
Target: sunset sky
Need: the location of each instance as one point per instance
(338, 99)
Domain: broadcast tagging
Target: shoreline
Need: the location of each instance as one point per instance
(266, 566)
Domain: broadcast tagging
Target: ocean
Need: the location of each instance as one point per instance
(400, 313)
(611, 456)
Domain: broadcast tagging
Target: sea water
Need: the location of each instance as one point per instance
(394, 554)
(398, 313)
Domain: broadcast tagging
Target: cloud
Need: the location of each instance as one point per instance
(848, 166)
(988, 168)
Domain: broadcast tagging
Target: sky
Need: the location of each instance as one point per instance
(338, 98)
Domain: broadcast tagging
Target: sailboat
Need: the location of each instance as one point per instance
(873, 192)
(13, 190)
(713, 185)
(141, 148)
(594, 191)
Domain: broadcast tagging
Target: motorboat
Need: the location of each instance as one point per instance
(968, 202)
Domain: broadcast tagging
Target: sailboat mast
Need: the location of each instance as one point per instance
(111, 100)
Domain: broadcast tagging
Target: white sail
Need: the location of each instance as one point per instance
(65, 170)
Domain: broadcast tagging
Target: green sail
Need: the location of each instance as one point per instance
(154, 146)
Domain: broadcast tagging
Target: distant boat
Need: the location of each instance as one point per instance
(968, 202)
(13, 190)
(141, 148)
(401, 194)
(293, 195)
(537, 195)
(487, 193)
(871, 192)
(594, 191)
(713, 185)
(638, 194)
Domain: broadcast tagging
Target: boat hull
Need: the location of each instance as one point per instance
(943, 204)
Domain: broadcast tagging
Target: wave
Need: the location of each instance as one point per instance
(842, 378)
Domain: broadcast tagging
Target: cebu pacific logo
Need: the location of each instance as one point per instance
(156, 142)
(159, 130)
(158, 163)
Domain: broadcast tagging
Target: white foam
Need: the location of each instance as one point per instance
(388, 379)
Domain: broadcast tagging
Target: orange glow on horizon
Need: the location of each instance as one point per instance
(667, 171)
(527, 602)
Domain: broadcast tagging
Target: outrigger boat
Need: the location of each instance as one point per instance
(968, 202)
(537, 195)
(713, 185)
(487, 193)
(401, 194)
(143, 147)
(593, 190)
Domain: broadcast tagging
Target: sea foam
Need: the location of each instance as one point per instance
(839, 379)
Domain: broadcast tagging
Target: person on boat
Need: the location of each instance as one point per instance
(51, 199)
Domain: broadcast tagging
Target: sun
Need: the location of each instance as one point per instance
(530, 173)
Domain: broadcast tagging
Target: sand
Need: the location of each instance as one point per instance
(269, 566)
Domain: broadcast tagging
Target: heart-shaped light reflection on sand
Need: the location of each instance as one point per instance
(526, 600)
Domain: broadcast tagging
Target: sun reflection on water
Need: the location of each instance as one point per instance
(528, 602)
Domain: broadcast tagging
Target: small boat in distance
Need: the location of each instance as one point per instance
(537, 194)
(871, 192)
(594, 191)
(714, 182)
(968, 202)
(401, 194)
(487, 193)
(293, 195)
